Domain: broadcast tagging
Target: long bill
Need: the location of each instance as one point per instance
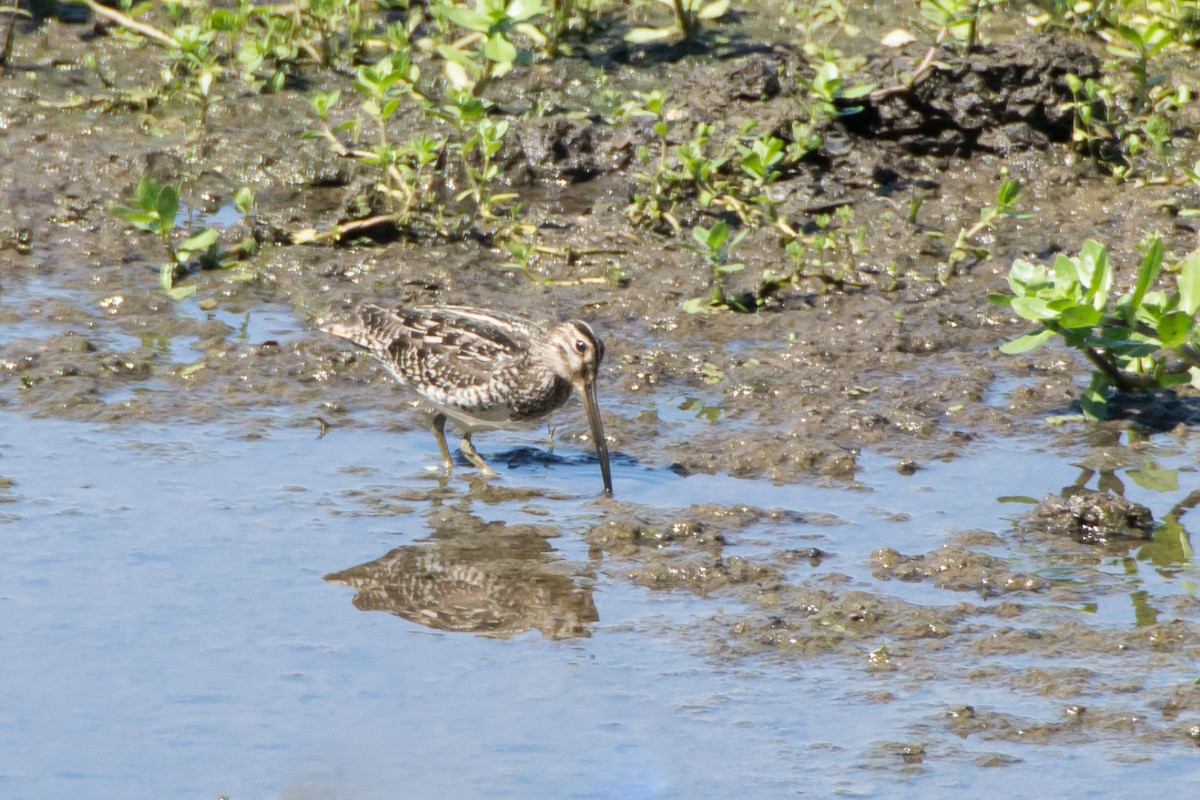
(588, 390)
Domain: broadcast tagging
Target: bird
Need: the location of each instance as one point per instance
(483, 368)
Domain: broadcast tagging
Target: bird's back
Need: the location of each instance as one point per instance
(471, 363)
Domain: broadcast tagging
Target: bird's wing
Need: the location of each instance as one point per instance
(447, 347)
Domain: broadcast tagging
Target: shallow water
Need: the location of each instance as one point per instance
(167, 633)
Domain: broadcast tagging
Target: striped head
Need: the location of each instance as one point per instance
(574, 353)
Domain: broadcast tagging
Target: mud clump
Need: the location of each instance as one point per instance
(1093, 517)
(955, 568)
(991, 98)
(809, 621)
(701, 574)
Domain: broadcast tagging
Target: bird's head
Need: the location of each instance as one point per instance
(576, 354)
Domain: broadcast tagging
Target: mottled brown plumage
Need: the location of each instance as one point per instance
(484, 369)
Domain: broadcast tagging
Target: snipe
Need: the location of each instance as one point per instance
(484, 369)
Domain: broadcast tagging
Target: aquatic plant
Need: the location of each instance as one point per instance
(826, 254)
(488, 50)
(956, 20)
(478, 140)
(964, 246)
(829, 92)
(732, 173)
(153, 208)
(1145, 339)
(712, 244)
(818, 23)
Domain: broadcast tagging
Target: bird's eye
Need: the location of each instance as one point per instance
(580, 346)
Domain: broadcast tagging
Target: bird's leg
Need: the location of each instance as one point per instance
(439, 431)
(473, 456)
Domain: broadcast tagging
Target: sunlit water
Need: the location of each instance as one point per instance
(166, 632)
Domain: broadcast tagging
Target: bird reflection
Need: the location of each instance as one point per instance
(488, 579)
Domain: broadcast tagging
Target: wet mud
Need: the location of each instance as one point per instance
(903, 363)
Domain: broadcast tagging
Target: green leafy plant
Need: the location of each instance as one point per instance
(957, 19)
(153, 208)
(819, 22)
(479, 140)
(713, 245)
(989, 216)
(731, 173)
(1089, 104)
(1143, 40)
(568, 14)
(1145, 339)
(832, 97)
(827, 254)
(488, 49)
(194, 66)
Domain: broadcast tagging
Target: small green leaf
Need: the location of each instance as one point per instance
(696, 305)
(1173, 329)
(1094, 272)
(455, 56)
(1033, 308)
(521, 10)
(1148, 272)
(1007, 194)
(499, 49)
(999, 299)
(1026, 278)
(465, 18)
(1170, 379)
(1189, 284)
(646, 35)
(201, 241)
(714, 10)
(243, 200)
(180, 292)
(1027, 342)
(1066, 274)
(146, 193)
(1078, 316)
(457, 74)
(1094, 400)
(166, 277)
(139, 219)
(167, 205)
(717, 235)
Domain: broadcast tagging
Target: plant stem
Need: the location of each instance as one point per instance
(149, 31)
(1108, 368)
(684, 19)
(6, 45)
(918, 73)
